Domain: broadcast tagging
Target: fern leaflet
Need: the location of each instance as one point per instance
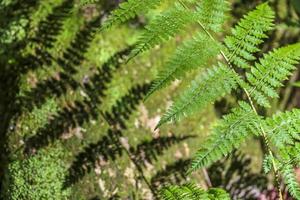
(195, 53)
(204, 90)
(162, 28)
(212, 14)
(227, 135)
(128, 10)
(267, 75)
(248, 34)
(290, 180)
(283, 128)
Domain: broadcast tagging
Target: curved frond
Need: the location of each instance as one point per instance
(193, 54)
(128, 10)
(212, 14)
(268, 74)
(231, 131)
(162, 28)
(205, 89)
(248, 34)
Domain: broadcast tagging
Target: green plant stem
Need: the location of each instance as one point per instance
(253, 108)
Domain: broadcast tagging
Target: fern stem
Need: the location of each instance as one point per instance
(252, 105)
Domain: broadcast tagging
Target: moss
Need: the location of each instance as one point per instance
(38, 177)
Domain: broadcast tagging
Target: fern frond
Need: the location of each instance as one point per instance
(227, 135)
(212, 14)
(195, 53)
(162, 28)
(290, 180)
(190, 191)
(207, 88)
(185, 192)
(248, 34)
(128, 10)
(268, 74)
(283, 128)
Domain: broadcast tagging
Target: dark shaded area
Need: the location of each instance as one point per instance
(236, 177)
(11, 68)
(109, 147)
(78, 112)
(147, 151)
(233, 174)
(14, 64)
(70, 62)
(174, 173)
(49, 28)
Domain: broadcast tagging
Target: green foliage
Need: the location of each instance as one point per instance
(266, 76)
(212, 14)
(204, 90)
(6, 2)
(128, 10)
(190, 191)
(193, 54)
(228, 134)
(172, 21)
(283, 128)
(248, 34)
(14, 32)
(290, 180)
(38, 177)
(267, 163)
(162, 28)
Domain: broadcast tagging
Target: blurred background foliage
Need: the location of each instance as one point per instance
(74, 124)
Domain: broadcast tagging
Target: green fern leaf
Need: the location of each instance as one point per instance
(248, 34)
(162, 28)
(274, 68)
(267, 163)
(227, 135)
(193, 54)
(283, 128)
(129, 10)
(290, 180)
(171, 22)
(212, 14)
(204, 90)
(190, 191)
(185, 192)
